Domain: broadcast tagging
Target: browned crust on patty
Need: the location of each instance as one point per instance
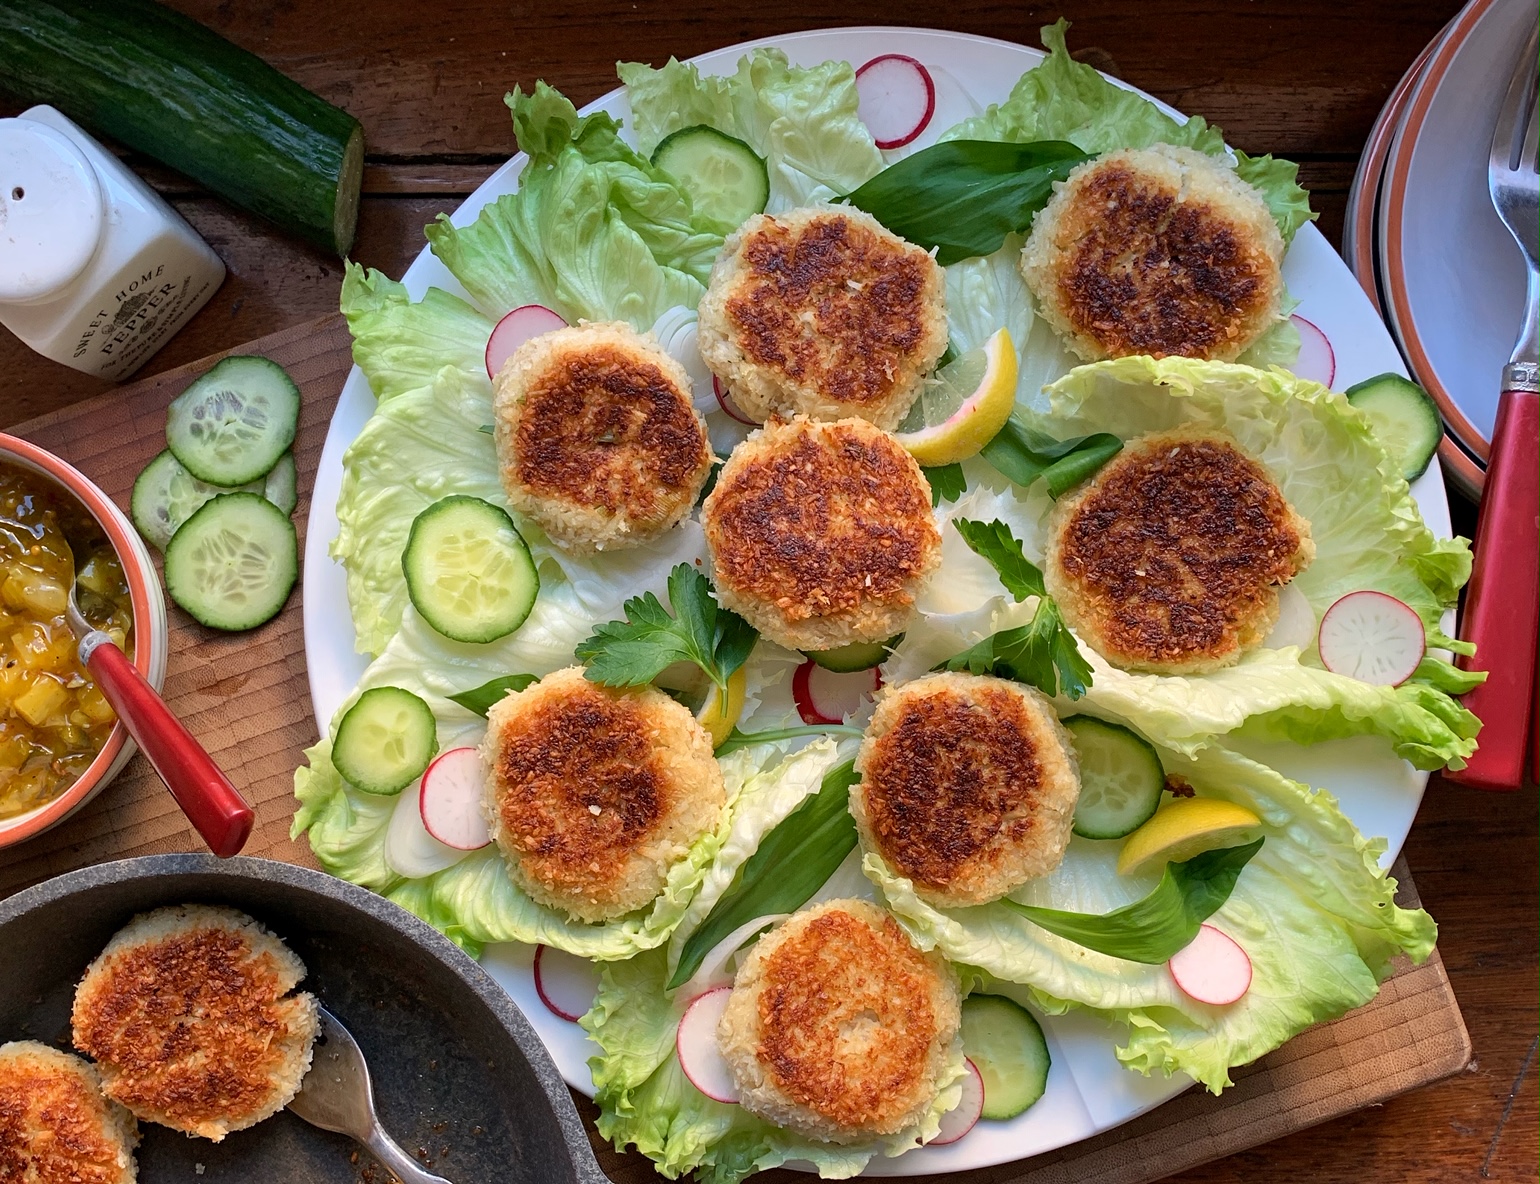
(833, 304)
(1171, 558)
(595, 791)
(813, 521)
(1142, 260)
(607, 429)
(55, 1126)
(847, 1020)
(192, 1028)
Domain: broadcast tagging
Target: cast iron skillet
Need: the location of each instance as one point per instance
(460, 1078)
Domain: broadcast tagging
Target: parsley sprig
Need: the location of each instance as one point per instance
(1043, 652)
(636, 650)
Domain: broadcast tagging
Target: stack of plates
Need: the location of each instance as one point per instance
(1421, 234)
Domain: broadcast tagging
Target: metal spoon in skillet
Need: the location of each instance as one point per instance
(336, 1096)
(205, 794)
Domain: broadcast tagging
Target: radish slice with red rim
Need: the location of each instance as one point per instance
(700, 1056)
(826, 697)
(897, 98)
(524, 322)
(963, 1117)
(1212, 968)
(1317, 360)
(1372, 637)
(565, 983)
(450, 799)
(725, 401)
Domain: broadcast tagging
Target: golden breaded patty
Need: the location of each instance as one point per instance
(821, 534)
(1171, 558)
(968, 786)
(1158, 251)
(838, 1027)
(823, 311)
(598, 439)
(594, 793)
(55, 1125)
(189, 1015)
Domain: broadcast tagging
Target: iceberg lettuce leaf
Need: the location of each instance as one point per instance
(1368, 534)
(1062, 99)
(804, 121)
(1313, 910)
(401, 346)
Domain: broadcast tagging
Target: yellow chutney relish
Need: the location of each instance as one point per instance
(53, 720)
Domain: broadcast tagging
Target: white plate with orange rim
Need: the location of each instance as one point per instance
(1451, 277)
(1088, 1090)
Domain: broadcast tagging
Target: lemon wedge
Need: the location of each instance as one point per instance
(963, 405)
(1187, 827)
(720, 711)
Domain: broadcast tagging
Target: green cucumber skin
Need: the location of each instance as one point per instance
(162, 84)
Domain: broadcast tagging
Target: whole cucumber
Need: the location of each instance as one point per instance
(160, 83)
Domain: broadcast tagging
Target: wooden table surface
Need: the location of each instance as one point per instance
(1303, 79)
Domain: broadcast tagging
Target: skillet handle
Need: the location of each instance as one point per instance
(1501, 601)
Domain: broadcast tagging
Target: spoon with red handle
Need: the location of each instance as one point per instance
(213, 805)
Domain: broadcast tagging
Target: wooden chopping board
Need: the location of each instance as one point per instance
(247, 698)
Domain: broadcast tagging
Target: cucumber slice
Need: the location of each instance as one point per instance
(1120, 779)
(858, 655)
(231, 426)
(726, 179)
(385, 741)
(1405, 420)
(234, 562)
(281, 486)
(167, 495)
(1006, 1045)
(468, 571)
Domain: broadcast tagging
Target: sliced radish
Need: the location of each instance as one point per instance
(409, 849)
(963, 1117)
(712, 972)
(1296, 621)
(566, 983)
(700, 1056)
(826, 697)
(1212, 968)
(897, 97)
(1372, 637)
(1317, 360)
(529, 320)
(450, 799)
(725, 401)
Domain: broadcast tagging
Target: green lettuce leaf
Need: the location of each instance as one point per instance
(1313, 910)
(594, 231)
(401, 346)
(1061, 99)
(805, 121)
(1368, 535)
(346, 826)
(646, 1101)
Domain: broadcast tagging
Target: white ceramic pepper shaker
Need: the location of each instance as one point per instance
(96, 270)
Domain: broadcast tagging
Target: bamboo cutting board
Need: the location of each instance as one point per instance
(247, 698)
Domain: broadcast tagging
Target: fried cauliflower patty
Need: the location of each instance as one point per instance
(598, 439)
(55, 1125)
(1158, 251)
(821, 534)
(823, 311)
(838, 1027)
(1170, 559)
(594, 793)
(189, 1015)
(968, 786)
